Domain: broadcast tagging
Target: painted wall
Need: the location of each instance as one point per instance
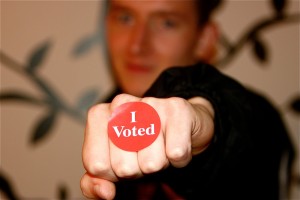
(57, 42)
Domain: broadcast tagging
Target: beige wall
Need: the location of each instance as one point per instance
(38, 170)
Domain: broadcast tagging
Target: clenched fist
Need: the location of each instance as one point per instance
(187, 127)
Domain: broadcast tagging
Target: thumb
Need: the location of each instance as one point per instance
(92, 187)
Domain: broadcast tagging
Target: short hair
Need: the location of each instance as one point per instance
(206, 8)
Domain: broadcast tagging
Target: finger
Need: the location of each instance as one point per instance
(153, 158)
(124, 163)
(203, 126)
(178, 132)
(92, 187)
(95, 153)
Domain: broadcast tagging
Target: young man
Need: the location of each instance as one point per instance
(217, 140)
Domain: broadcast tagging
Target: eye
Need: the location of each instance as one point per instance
(124, 18)
(168, 23)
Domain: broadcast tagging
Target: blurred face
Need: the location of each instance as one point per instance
(147, 37)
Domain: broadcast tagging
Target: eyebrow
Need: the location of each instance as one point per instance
(162, 12)
(113, 6)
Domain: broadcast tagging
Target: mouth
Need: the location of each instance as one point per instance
(138, 68)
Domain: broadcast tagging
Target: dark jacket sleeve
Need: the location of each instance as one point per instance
(249, 140)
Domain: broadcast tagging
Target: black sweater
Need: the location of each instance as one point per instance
(244, 158)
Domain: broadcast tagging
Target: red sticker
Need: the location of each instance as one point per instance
(133, 126)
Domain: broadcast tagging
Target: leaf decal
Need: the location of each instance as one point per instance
(62, 192)
(43, 127)
(259, 50)
(18, 96)
(295, 105)
(87, 99)
(279, 5)
(37, 57)
(6, 188)
(86, 44)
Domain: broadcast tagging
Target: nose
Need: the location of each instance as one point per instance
(140, 39)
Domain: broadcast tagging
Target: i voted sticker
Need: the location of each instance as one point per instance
(134, 126)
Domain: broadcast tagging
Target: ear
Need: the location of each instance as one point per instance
(206, 49)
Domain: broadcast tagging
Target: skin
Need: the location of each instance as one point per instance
(145, 38)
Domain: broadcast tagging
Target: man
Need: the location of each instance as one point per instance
(217, 139)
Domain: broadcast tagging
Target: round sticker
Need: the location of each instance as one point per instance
(134, 126)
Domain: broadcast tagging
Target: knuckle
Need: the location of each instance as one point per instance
(180, 107)
(150, 100)
(125, 171)
(177, 102)
(150, 167)
(177, 154)
(154, 102)
(119, 97)
(97, 168)
(96, 110)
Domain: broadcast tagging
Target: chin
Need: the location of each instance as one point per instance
(138, 92)
(135, 87)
